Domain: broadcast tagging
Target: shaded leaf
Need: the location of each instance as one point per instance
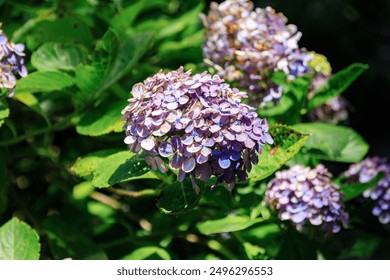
(178, 198)
(44, 81)
(337, 84)
(66, 240)
(55, 56)
(352, 191)
(18, 241)
(4, 111)
(287, 142)
(127, 16)
(148, 253)
(335, 143)
(68, 30)
(227, 224)
(3, 182)
(112, 59)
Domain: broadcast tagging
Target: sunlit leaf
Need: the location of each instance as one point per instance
(85, 166)
(44, 81)
(18, 241)
(331, 142)
(55, 56)
(120, 167)
(287, 142)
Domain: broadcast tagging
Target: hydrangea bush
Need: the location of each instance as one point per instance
(179, 130)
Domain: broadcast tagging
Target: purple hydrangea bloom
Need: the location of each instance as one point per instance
(11, 63)
(306, 196)
(246, 45)
(195, 123)
(333, 110)
(366, 170)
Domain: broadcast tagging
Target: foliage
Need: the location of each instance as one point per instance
(77, 191)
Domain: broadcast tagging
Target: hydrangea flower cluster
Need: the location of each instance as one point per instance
(307, 196)
(366, 170)
(333, 110)
(196, 121)
(11, 62)
(246, 46)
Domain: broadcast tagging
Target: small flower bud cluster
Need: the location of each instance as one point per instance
(198, 123)
(11, 63)
(306, 196)
(246, 46)
(366, 170)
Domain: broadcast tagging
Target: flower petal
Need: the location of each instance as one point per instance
(188, 164)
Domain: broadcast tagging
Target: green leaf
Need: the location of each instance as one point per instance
(337, 84)
(67, 240)
(227, 224)
(287, 142)
(128, 15)
(289, 109)
(108, 167)
(18, 241)
(334, 143)
(120, 167)
(56, 56)
(354, 190)
(44, 81)
(253, 252)
(178, 198)
(82, 190)
(112, 59)
(4, 111)
(3, 182)
(104, 119)
(148, 253)
(85, 166)
(67, 30)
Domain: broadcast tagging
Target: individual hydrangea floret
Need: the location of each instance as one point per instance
(306, 196)
(366, 170)
(11, 63)
(197, 123)
(246, 45)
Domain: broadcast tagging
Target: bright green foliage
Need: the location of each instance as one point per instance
(18, 241)
(55, 56)
(288, 142)
(331, 142)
